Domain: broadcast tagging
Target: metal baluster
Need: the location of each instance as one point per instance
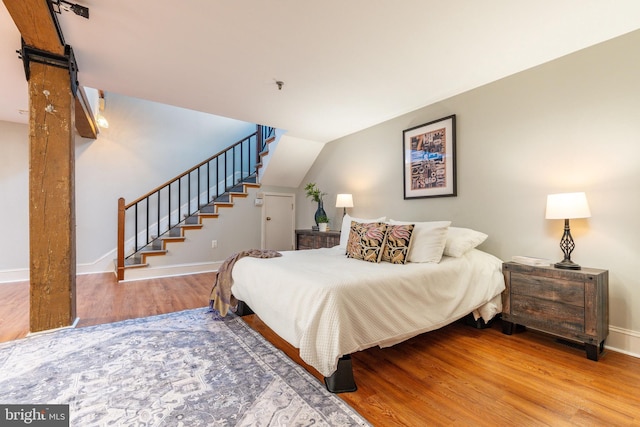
(179, 200)
(198, 196)
(158, 220)
(147, 221)
(135, 226)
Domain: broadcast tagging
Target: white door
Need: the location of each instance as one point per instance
(278, 215)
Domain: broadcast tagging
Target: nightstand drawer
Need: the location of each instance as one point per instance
(306, 241)
(311, 239)
(546, 314)
(569, 292)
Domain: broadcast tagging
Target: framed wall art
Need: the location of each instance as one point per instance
(430, 159)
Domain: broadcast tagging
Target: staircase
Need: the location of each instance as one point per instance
(150, 223)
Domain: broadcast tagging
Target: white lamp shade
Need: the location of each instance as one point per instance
(567, 206)
(344, 201)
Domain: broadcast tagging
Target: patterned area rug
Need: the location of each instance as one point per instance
(178, 369)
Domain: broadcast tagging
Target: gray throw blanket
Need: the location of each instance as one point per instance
(221, 297)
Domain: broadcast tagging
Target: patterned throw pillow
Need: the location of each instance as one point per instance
(366, 241)
(397, 243)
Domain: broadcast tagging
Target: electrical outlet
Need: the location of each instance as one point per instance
(214, 244)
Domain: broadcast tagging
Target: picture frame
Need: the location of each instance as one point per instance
(429, 159)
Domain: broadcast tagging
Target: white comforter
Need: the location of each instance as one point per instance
(328, 305)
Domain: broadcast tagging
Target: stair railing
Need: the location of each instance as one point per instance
(267, 134)
(168, 206)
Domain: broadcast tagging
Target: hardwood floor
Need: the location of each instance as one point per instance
(457, 375)
(101, 299)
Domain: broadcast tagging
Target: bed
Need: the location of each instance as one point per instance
(329, 305)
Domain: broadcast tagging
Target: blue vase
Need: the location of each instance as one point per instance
(320, 212)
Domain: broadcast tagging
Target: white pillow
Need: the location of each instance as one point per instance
(428, 241)
(346, 227)
(462, 240)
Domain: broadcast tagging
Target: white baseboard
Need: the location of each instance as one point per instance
(624, 341)
(10, 276)
(102, 265)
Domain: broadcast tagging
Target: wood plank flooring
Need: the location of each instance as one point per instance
(457, 375)
(101, 299)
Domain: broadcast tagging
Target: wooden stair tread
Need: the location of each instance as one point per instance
(190, 226)
(173, 238)
(146, 252)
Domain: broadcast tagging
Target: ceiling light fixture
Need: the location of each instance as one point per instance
(60, 5)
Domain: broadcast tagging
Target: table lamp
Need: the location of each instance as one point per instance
(567, 206)
(344, 201)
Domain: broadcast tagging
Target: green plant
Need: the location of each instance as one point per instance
(323, 219)
(314, 192)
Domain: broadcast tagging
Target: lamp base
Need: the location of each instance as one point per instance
(567, 264)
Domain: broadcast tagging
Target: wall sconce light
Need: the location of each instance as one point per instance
(102, 122)
(344, 201)
(567, 206)
(100, 119)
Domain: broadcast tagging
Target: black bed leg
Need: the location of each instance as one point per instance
(243, 309)
(341, 381)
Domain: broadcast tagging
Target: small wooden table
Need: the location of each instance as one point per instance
(572, 304)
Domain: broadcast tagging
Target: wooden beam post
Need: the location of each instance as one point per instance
(52, 225)
(52, 198)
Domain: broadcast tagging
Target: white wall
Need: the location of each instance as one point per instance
(288, 161)
(145, 145)
(14, 199)
(569, 125)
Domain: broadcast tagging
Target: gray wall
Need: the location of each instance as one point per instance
(145, 145)
(569, 125)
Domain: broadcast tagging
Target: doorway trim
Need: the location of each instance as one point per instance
(263, 215)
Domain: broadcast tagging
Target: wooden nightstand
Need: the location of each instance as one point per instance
(311, 239)
(572, 304)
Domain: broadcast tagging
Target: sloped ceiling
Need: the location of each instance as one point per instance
(346, 65)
